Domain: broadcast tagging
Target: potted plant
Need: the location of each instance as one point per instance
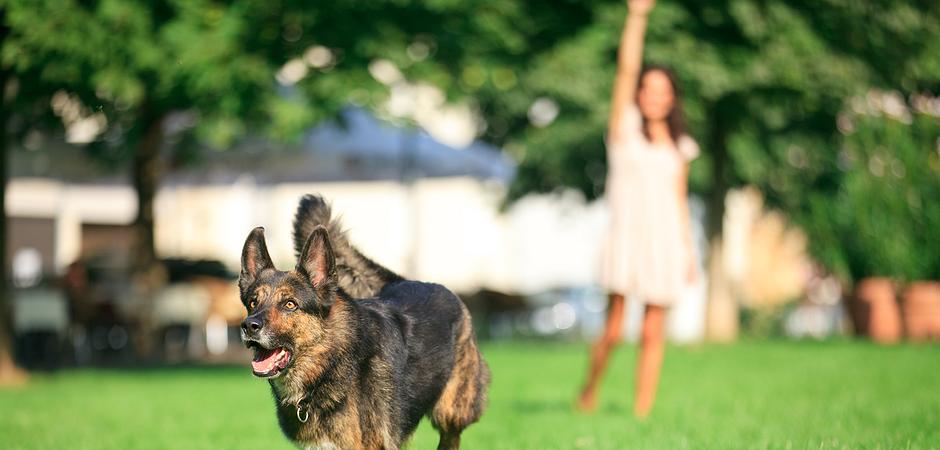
(920, 305)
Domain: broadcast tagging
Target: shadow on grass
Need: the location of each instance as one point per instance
(563, 407)
(188, 369)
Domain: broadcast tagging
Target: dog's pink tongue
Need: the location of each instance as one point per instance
(264, 362)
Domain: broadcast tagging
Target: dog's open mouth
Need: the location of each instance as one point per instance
(268, 362)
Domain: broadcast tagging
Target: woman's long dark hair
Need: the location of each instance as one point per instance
(675, 119)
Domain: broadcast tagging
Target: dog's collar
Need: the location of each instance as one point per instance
(303, 410)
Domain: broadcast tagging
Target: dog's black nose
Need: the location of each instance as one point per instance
(252, 325)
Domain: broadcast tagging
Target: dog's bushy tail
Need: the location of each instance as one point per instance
(358, 275)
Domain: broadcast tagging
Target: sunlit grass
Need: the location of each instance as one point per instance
(749, 395)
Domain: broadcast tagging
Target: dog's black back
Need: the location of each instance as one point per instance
(416, 323)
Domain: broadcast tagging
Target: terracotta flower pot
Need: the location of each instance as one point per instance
(875, 311)
(921, 310)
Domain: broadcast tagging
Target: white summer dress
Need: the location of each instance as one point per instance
(645, 252)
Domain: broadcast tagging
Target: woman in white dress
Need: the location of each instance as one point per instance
(648, 250)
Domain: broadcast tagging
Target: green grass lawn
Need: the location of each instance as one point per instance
(800, 395)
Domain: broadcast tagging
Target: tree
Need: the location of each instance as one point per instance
(8, 370)
(126, 69)
(18, 92)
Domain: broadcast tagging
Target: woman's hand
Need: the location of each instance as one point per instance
(691, 274)
(641, 7)
(691, 268)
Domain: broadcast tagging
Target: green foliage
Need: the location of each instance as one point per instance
(137, 62)
(883, 218)
(758, 78)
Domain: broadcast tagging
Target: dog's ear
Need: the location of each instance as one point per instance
(255, 258)
(316, 259)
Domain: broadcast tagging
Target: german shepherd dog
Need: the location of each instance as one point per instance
(354, 353)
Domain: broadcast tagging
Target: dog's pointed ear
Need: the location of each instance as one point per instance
(255, 258)
(316, 259)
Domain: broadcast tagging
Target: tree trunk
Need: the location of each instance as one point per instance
(718, 150)
(9, 372)
(148, 274)
(722, 314)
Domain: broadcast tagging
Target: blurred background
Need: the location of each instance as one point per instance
(462, 143)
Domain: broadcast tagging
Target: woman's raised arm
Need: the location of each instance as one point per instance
(629, 62)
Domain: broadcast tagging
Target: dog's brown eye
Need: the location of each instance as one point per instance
(252, 304)
(291, 305)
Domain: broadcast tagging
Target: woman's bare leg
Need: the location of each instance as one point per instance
(650, 359)
(600, 353)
